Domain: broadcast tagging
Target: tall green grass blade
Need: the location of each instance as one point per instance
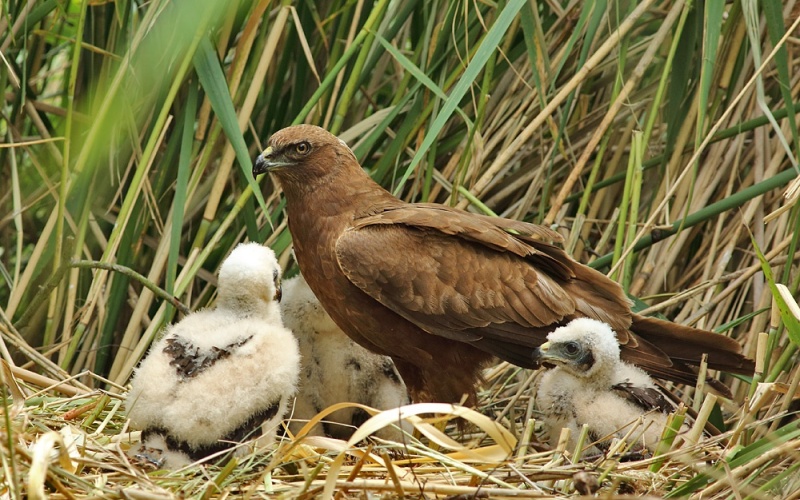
(330, 78)
(531, 32)
(680, 90)
(355, 76)
(212, 78)
(790, 321)
(750, 11)
(412, 68)
(637, 153)
(181, 188)
(652, 115)
(622, 225)
(592, 15)
(733, 201)
(487, 47)
(773, 14)
(592, 10)
(712, 24)
(712, 28)
(49, 336)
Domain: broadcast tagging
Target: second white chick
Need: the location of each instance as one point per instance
(220, 374)
(335, 369)
(591, 385)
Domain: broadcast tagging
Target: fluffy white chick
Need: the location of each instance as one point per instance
(335, 369)
(591, 385)
(220, 374)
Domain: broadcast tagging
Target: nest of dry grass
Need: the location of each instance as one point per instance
(80, 447)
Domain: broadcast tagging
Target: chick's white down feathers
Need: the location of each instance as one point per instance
(335, 369)
(590, 388)
(219, 369)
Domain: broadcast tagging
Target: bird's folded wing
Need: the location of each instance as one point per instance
(647, 398)
(661, 399)
(471, 287)
(525, 250)
(524, 230)
(189, 361)
(485, 280)
(520, 238)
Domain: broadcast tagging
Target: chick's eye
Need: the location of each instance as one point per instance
(572, 348)
(302, 148)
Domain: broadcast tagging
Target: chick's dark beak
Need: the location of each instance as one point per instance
(268, 160)
(278, 293)
(540, 354)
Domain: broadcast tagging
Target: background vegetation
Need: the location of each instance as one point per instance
(659, 136)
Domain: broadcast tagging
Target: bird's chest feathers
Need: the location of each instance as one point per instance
(560, 405)
(314, 249)
(563, 394)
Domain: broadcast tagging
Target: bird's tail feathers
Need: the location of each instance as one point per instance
(686, 344)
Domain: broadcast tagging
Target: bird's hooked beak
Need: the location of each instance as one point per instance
(541, 354)
(268, 160)
(278, 293)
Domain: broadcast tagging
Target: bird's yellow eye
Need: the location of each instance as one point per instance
(302, 148)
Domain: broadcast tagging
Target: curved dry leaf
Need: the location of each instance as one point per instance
(43, 450)
(333, 474)
(13, 387)
(303, 432)
(501, 435)
(74, 440)
(326, 443)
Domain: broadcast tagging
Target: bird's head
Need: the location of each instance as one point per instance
(303, 152)
(250, 279)
(584, 347)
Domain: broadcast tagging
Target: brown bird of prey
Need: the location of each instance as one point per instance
(441, 290)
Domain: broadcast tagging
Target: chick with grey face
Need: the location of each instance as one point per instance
(220, 375)
(589, 384)
(336, 370)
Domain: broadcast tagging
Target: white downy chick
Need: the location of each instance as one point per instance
(220, 374)
(591, 385)
(335, 369)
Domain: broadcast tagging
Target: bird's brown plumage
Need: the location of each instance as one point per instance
(441, 290)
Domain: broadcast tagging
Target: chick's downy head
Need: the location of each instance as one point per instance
(584, 347)
(249, 278)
